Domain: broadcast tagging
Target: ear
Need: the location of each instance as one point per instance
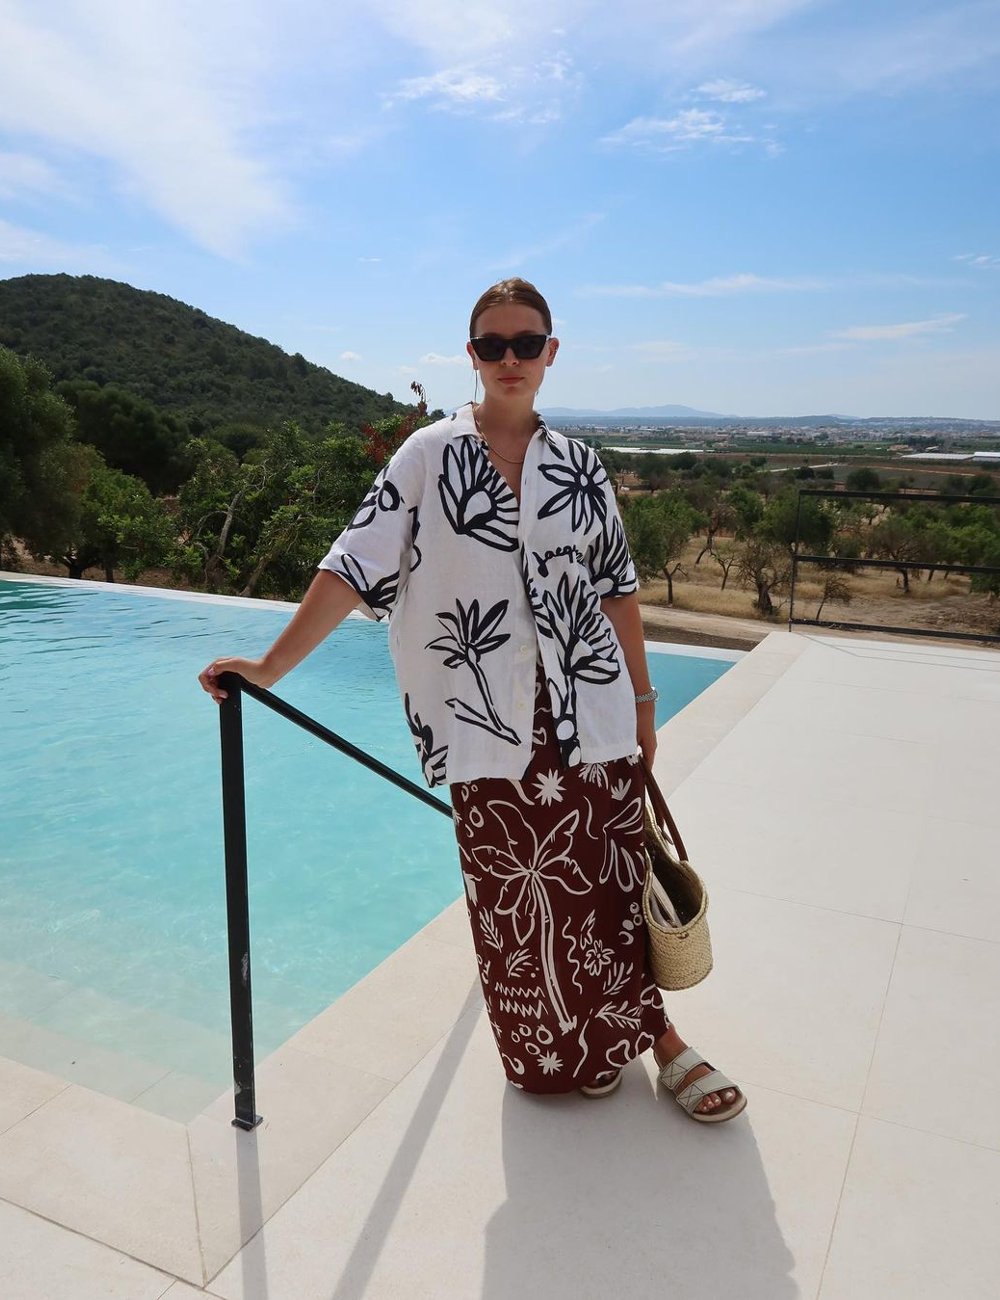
(472, 354)
(553, 347)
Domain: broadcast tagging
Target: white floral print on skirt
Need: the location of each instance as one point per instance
(553, 869)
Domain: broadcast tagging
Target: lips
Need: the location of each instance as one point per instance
(511, 379)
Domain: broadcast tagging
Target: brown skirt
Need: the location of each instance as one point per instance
(553, 869)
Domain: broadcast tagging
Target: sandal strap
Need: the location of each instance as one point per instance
(683, 1063)
(699, 1090)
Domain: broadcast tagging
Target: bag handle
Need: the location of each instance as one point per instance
(662, 812)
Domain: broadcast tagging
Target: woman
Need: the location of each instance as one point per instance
(494, 546)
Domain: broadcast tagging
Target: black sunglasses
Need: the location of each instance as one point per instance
(492, 347)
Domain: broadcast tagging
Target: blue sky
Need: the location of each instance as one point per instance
(762, 207)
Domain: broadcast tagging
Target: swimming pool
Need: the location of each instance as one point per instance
(112, 906)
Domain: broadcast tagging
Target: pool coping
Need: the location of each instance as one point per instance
(185, 1197)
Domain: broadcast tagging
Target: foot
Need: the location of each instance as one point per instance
(671, 1045)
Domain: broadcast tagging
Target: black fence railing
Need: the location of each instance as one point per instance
(237, 893)
(845, 564)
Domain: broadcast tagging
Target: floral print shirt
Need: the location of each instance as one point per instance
(478, 589)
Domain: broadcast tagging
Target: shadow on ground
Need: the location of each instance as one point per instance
(623, 1196)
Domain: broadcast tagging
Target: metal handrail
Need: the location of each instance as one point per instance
(235, 836)
(848, 562)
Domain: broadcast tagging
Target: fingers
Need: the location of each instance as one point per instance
(208, 678)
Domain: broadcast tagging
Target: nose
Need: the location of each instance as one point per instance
(509, 353)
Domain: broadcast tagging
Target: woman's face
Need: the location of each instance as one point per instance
(511, 380)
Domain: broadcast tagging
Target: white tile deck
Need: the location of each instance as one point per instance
(840, 797)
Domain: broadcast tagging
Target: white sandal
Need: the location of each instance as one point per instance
(682, 1064)
(602, 1089)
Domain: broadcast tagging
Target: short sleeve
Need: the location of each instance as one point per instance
(377, 550)
(608, 557)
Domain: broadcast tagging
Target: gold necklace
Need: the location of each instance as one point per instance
(508, 459)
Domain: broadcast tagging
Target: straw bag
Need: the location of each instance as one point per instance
(674, 900)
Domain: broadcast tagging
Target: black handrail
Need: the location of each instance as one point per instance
(237, 893)
(849, 563)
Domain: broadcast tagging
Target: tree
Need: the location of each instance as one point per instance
(863, 479)
(814, 521)
(896, 537)
(113, 522)
(260, 525)
(130, 433)
(983, 485)
(658, 528)
(765, 566)
(835, 587)
(746, 507)
(712, 511)
(37, 458)
(725, 554)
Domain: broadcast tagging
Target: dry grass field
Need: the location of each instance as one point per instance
(877, 598)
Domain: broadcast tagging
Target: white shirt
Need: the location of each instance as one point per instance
(477, 589)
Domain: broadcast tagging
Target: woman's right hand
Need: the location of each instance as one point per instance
(252, 669)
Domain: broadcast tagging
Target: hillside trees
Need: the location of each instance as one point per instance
(38, 461)
(114, 523)
(261, 525)
(131, 434)
(177, 357)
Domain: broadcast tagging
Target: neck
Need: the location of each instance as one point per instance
(517, 424)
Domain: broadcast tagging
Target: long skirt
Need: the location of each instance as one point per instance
(553, 869)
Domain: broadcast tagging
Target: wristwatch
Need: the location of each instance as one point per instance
(652, 695)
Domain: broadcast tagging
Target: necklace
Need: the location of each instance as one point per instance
(498, 454)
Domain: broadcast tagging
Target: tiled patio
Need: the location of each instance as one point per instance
(841, 798)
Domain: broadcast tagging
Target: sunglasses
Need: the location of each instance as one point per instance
(526, 347)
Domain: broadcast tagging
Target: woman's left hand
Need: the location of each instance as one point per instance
(645, 730)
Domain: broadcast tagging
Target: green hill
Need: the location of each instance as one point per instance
(174, 356)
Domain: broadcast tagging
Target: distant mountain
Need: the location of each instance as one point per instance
(635, 412)
(174, 356)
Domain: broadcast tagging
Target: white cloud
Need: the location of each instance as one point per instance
(450, 88)
(981, 261)
(351, 356)
(22, 174)
(156, 94)
(943, 324)
(569, 237)
(730, 92)
(36, 252)
(661, 350)
(462, 31)
(436, 359)
(812, 349)
(716, 287)
(370, 260)
(689, 126)
(504, 90)
(905, 51)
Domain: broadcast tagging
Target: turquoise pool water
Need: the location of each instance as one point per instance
(112, 905)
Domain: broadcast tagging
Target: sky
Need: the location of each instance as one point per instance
(754, 207)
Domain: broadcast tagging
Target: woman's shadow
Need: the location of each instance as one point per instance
(620, 1197)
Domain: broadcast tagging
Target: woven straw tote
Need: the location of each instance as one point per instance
(674, 901)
